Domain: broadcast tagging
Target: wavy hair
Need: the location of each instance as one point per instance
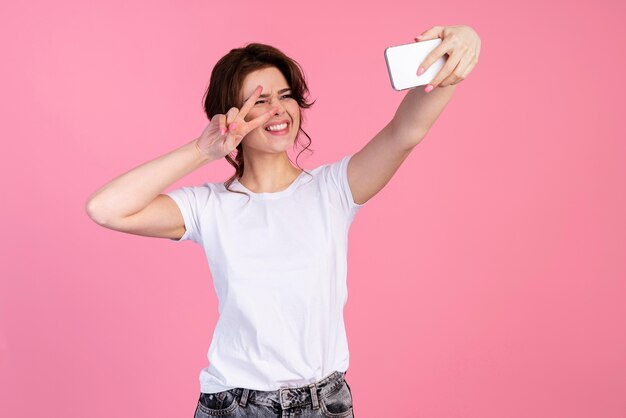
(227, 80)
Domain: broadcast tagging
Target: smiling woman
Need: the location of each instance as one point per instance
(279, 262)
(271, 142)
(234, 80)
(275, 236)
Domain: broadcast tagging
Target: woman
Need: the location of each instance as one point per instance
(275, 236)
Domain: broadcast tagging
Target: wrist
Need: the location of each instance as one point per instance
(203, 158)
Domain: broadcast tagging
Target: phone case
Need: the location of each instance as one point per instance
(404, 60)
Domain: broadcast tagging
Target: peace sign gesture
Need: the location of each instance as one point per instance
(224, 132)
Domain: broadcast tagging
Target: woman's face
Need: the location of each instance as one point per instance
(260, 139)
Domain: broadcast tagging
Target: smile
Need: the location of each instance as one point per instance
(280, 129)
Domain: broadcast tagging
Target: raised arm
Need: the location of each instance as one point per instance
(133, 202)
(137, 192)
(371, 168)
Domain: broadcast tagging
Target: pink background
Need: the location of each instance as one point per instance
(486, 280)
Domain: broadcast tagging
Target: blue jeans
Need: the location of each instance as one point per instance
(331, 397)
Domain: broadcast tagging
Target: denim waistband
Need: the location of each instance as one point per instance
(292, 396)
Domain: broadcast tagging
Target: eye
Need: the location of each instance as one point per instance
(262, 101)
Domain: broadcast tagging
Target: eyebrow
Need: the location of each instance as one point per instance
(267, 95)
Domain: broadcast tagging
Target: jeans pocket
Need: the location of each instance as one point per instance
(216, 404)
(337, 403)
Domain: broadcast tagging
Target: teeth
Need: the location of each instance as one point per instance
(276, 127)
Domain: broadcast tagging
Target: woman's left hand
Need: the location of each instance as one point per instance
(462, 45)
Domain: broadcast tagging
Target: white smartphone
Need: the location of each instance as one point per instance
(404, 60)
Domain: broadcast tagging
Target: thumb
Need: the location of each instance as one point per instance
(432, 33)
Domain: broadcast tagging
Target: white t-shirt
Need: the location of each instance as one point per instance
(279, 267)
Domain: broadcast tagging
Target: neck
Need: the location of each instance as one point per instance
(268, 173)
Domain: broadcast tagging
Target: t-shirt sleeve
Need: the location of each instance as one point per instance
(191, 201)
(337, 176)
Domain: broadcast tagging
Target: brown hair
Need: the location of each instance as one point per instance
(227, 79)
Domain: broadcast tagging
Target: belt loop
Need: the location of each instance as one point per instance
(283, 394)
(244, 397)
(313, 388)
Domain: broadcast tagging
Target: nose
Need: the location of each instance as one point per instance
(280, 105)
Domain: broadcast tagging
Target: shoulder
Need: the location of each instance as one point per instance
(196, 194)
(334, 165)
(334, 170)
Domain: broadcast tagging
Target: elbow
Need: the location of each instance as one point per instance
(94, 214)
(415, 137)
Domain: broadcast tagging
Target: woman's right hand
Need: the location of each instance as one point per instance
(225, 132)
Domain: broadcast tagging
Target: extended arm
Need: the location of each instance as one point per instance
(371, 168)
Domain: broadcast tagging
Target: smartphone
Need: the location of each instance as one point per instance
(404, 60)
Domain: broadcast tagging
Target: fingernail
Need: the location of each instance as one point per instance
(420, 71)
(429, 88)
(232, 126)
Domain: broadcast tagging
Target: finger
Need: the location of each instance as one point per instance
(250, 102)
(231, 115)
(447, 69)
(441, 49)
(233, 139)
(260, 120)
(470, 68)
(432, 33)
(222, 123)
(459, 74)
